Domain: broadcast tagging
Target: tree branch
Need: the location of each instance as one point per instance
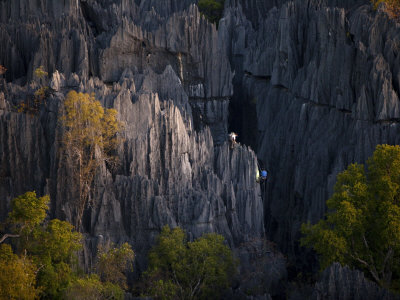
(373, 273)
(387, 275)
(177, 281)
(369, 251)
(195, 289)
(7, 235)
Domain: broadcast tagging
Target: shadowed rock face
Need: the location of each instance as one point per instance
(341, 283)
(325, 81)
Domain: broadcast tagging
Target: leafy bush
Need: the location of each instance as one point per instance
(28, 211)
(32, 104)
(178, 269)
(392, 7)
(92, 288)
(17, 276)
(40, 73)
(114, 262)
(212, 9)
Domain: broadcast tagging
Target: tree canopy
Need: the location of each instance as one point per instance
(90, 287)
(28, 211)
(43, 261)
(17, 276)
(362, 225)
(114, 262)
(212, 9)
(179, 269)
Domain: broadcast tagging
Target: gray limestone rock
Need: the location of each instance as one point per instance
(169, 174)
(165, 69)
(325, 82)
(342, 283)
(103, 39)
(311, 85)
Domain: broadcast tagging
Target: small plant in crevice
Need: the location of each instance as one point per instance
(212, 9)
(32, 103)
(3, 70)
(392, 8)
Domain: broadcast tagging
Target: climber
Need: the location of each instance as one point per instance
(232, 138)
(261, 176)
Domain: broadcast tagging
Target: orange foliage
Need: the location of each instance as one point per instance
(3, 70)
(393, 9)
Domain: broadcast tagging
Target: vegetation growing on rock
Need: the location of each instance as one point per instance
(212, 9)
(3, 70)
(32, 104)
(90, 137)
(392, 7)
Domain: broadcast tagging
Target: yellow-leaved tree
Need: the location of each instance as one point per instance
(90, 138)
(17, 276)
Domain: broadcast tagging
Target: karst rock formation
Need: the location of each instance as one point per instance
(310, 86)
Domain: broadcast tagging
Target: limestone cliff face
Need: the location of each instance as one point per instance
(164, 68)
(310, 85)
(103, 38)
(324, 82)
(342, 283)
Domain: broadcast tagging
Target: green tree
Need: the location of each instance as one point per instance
(362, 225)
(54, 249)
(27, 212)
(45, 261)
(212, 9)
(178, 269)
(50, 245)
(91, 288)
(17, 276)
(91, 136)
(114, 262)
